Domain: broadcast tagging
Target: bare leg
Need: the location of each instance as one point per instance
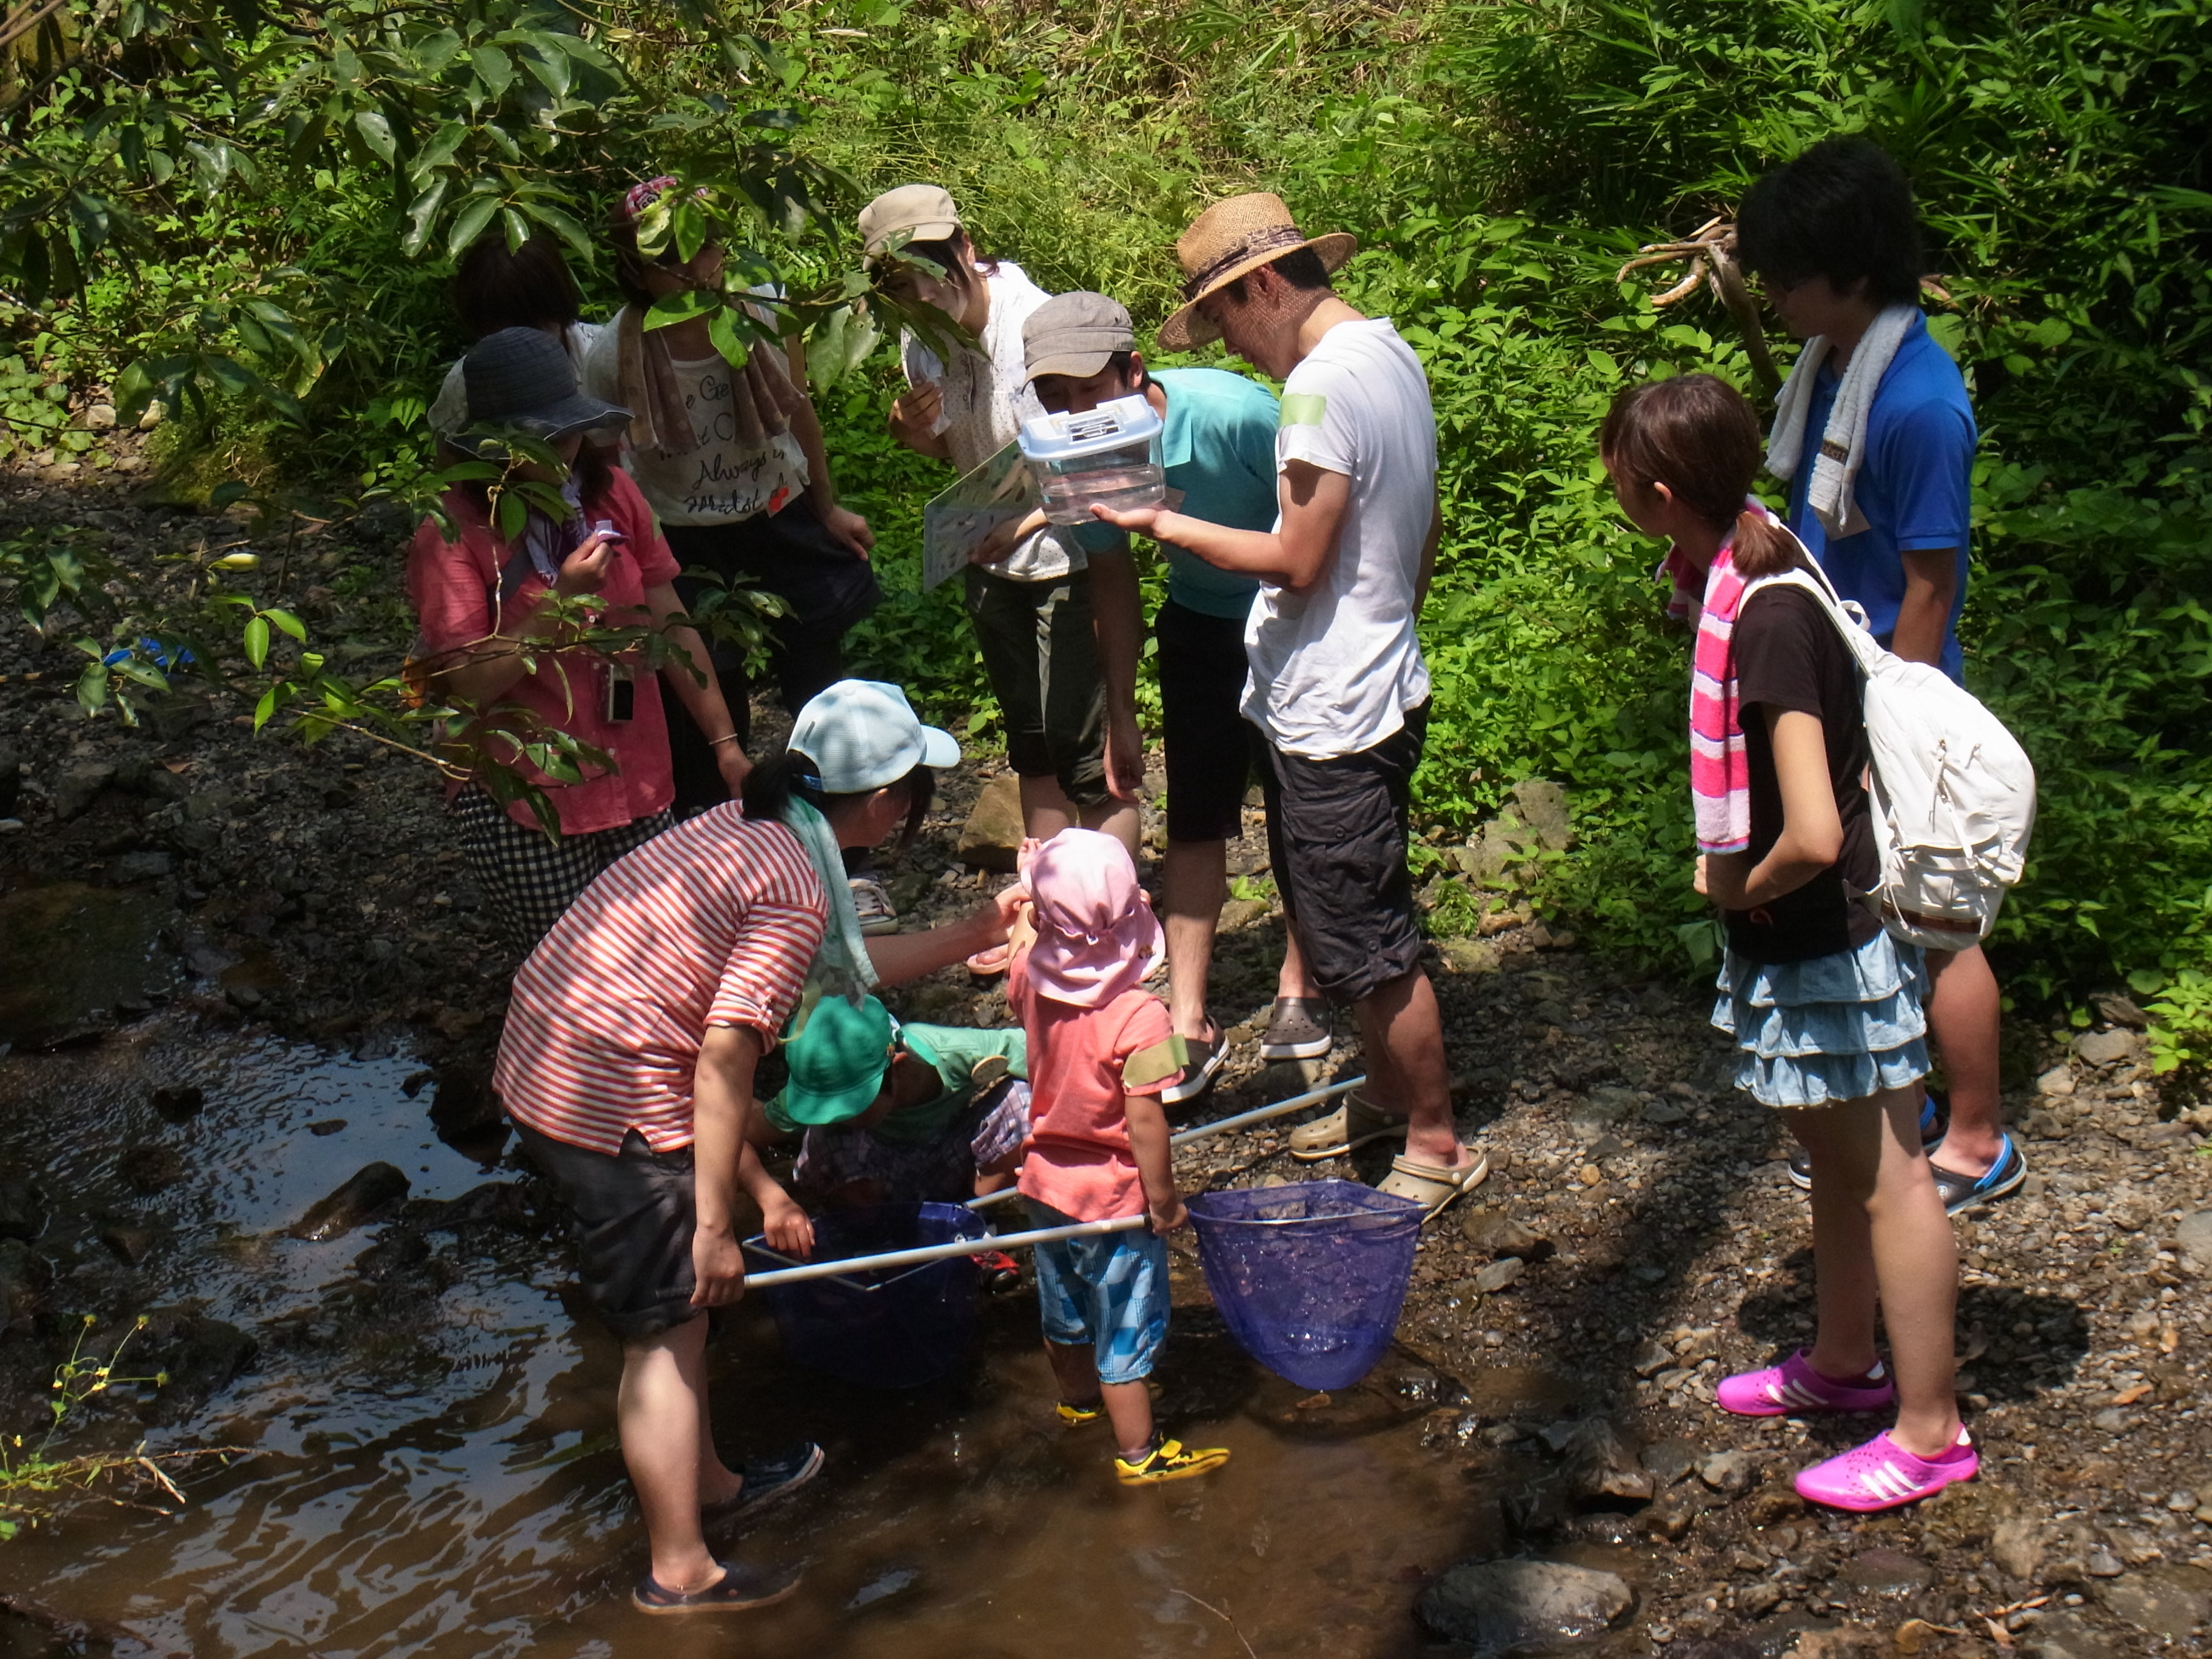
(1118, 818)
(1129, 1408)
(1963, 1011)
(661, 1410)
(1046, 809)
(1403, 1035)
(1293, 981)
(1074, 1370)
(1195, 882)
(1880, 1235)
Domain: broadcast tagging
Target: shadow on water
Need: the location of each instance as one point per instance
(434, 1473)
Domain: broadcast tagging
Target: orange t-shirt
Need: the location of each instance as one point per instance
(1079, 1160)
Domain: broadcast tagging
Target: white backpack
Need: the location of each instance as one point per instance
(1953, 793)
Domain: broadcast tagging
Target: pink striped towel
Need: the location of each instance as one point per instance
(1720, 772)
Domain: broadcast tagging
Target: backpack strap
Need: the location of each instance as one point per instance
(1848, 616)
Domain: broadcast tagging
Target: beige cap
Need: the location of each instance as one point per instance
(1076, 335)
(912, 213)
(1228, 240)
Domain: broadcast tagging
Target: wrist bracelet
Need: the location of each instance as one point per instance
(727, 737)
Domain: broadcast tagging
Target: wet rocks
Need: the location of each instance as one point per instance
(130, 1240)
(177, 1103)
(2016, 1545)
(1887, 1573)
(1651, 1357)
(78, 787)
(463, 1104)
(992, 837)
(1521, 1606)
(1667, 1460)
(22, 1209)
(1498, 1233)
(368, 1190)
(71, 956)
(1602, 1471)
(1499, 1275)
(1730, 1472)
(150, 1168)
(2194, 1235)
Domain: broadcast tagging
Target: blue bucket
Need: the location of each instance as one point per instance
(1308, 1277)
(886, 1328)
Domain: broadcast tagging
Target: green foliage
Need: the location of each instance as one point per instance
(35, 1480)
(1498, 162)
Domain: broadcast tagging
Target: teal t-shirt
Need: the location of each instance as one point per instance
(1218, 451)
(955, 1051)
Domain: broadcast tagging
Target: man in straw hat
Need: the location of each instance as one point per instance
(1337, 683)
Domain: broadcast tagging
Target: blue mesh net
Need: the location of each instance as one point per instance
(909, 1326)
(1308, 1277)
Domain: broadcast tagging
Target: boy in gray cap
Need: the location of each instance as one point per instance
(1219, 447)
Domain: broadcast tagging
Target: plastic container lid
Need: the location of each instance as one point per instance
(1115, 425)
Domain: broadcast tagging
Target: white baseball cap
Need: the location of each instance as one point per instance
(863, 734)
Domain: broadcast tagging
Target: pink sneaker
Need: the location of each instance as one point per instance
(1882, 1474)
(1794, 1385)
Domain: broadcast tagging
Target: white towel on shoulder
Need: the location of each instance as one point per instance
(1842, 445)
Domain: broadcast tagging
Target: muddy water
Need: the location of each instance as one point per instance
(436, 1473)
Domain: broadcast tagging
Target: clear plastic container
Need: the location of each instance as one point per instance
(1108, 456)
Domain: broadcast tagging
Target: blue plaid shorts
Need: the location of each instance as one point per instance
(1110, 1291)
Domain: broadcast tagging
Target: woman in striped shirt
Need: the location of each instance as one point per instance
(627, 1066)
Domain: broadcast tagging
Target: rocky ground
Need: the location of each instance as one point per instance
(1638, 1240)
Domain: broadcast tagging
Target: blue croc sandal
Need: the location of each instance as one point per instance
(1964, 1191)
(779, 1474)
(739, 1589)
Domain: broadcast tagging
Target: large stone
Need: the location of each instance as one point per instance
(2016, 1545)
(1468, 955)
(1542, 806)
(1522, 1607)
(1501, 1234)
(1499, 1275)
(368, 1190)
(2107, 1048)
(1888, 1572)
(78, 787)
(71, 955)
(2056, 1083)
(1729, 1472)
(2195, 1237)
(992, 837)
(2116, 1009)
(1602, 1469)
(2167, 1600)
(2063, 1636)
(1669, 1460)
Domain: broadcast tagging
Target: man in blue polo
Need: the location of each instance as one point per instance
(1876, 435)
(1219, 447)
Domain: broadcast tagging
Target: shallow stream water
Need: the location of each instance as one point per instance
(434, 1472)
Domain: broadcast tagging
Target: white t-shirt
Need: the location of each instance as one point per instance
(721, 482)
(450, 413)
(1334, 668)
(987, 399)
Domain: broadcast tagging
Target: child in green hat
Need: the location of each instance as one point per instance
(890, 1113)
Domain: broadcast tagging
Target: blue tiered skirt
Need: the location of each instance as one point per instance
(1840, 1027)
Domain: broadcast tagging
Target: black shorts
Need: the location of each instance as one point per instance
(1042, 655)
(1214, 753)
(634, 1218)
(1336, 835)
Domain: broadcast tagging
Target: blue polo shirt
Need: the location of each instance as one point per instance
(1914, 489)
(1218, 450)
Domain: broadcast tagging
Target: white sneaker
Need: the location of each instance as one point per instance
(873, 905)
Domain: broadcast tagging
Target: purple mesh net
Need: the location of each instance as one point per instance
(909, 1326)
(1308, 1277)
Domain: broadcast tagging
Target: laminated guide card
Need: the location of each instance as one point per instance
(956, 522)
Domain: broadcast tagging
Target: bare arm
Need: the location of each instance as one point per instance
(1931, 582)
(849, 528)
(899, 957)
(721, 1103)
(1148, 1145)
(913, 411)
(1812, 836)
(1297, 554)
(1429, 557)
(1117, 613)
(701, 693)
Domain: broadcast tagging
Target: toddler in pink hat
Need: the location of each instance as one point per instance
(1101, 1049)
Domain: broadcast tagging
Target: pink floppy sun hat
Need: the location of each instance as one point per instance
(1096, 934)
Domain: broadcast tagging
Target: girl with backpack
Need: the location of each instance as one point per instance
(1825, 1004)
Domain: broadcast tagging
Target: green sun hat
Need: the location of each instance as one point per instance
(838, 1062)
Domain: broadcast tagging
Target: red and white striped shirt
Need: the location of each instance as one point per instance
(713, 922)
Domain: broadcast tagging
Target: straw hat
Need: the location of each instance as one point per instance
(1230, 239)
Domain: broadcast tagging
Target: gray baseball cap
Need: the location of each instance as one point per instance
(1075, 335)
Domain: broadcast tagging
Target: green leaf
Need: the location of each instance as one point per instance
(255, 638)
(495, 70)
(562, 225)
(287, 622)
(267, 706)
(376, 132)
(421, 217)
(469, 223)
(722, 331)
